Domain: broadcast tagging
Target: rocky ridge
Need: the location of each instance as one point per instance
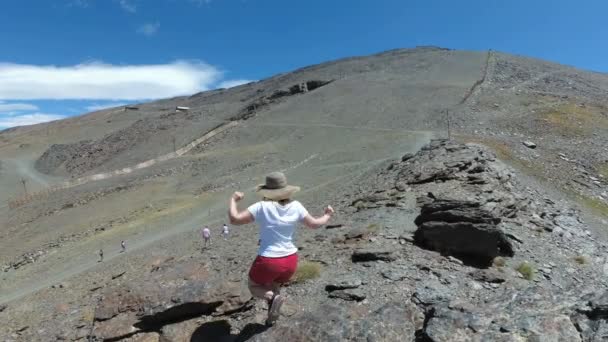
(464, 299)
(445, 245)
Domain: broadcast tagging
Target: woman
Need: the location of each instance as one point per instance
(277, 215)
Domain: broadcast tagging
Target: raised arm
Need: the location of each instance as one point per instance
(316, 222)
(235, 216)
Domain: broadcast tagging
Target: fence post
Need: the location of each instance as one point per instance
(447, 118)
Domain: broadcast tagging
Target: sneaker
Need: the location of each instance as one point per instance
(274, 310)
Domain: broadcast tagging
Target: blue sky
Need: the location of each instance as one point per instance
(66, 57)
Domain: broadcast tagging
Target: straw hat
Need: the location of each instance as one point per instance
(276, 187)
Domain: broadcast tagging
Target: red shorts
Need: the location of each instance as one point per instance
(265, 271)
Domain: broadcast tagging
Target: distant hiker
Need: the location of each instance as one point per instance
(277, 216)
(206, 236)
(100, 255)
(123, 246)
(225, 231)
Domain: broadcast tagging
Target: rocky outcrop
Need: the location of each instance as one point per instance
(173, 292)
(461, 228)
(277, 95)
(391, 322)
(389, 272)
(473, 207)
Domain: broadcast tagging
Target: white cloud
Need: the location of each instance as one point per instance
(98, 81)
(232, 83)
(128, 6)
(149, 29)
(9, 108)
(28, 119)
(95, 107)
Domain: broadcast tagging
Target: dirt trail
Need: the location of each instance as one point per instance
(126, 170)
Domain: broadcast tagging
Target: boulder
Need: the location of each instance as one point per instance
(462, 229)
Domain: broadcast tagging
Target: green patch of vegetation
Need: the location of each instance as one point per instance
(359, 205)
(504, 152)
(573, 119)
(597, 206)
(499, 262)
(373, 228)
(526, 270)
(581, 259)
(88, 315)
(603, 169)
(306, 270)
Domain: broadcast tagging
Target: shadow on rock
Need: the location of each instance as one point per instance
(220, 331)
(176, 314)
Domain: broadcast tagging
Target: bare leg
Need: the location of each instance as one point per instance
(276, 288)
(261, 291)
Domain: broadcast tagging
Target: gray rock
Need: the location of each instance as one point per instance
(350, 282)
(330, 322)
(449, 226)
(407, 157)
(529, 144)
(350, 295)
(158, 299)
(431, 293)
(394, 275)
(363, 255)
(488, 276)
(407, 237)
(468, 325)
(599, 306)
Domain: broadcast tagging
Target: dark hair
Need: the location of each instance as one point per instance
(281, 202)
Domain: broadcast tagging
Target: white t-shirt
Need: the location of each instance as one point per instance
(225, 229)
(277, 226)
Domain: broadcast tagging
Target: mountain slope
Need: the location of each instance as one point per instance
(332, 128)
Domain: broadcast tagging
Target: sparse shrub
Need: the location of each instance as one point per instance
(603, 169)
(596, 205)
(359, 205)
(581, 259)
(499, 262)
(526, 270)
(88, 315)
(373, 228)
(306, 270)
